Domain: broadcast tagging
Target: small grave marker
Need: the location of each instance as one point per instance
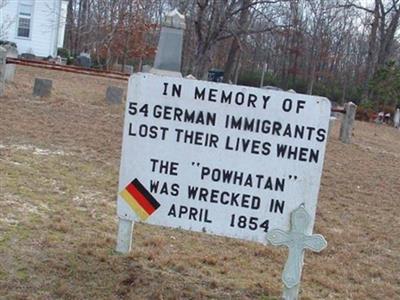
(42, 87)
(396, 119)
(346, 128)
(84, 60)
(10, 68)
(114, 95)
(296, 240)
(3, 55)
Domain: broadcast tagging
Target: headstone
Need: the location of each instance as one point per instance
(146, 68)
(215, 75)
(128, 69)
(346, 128)
(83, 60)
(10, 68)
(114, 95)
(29, 56)
(331, 124)
(169, 50)
(3, 56)
(297, 241)
(396, 119)
(42, 87)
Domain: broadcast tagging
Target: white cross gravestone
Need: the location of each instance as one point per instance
(296, 240)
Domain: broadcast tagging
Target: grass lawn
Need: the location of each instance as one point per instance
(59, 161)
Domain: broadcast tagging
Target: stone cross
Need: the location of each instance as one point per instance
(296, 240)
(169, 50)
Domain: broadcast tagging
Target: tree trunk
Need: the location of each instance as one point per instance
(230, 62)
(370, 63)
(235, 46)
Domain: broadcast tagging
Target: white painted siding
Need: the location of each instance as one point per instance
(44, 26)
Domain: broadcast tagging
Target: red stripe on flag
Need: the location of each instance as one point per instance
(140, 199)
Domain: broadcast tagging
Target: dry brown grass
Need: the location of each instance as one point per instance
(59, 160)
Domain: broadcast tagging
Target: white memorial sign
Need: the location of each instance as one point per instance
(217, 158)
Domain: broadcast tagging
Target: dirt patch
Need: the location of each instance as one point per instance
(59, 160)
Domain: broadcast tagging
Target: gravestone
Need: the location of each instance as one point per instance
(215, 75)
(10, 68)
(3, 55)
(296, 240)
(396, 119)
(346, 128)
(114, 95)
(167, 62)
(42, 87)
(29, 56)
(146, 68)
(83, 60)
(129, 69)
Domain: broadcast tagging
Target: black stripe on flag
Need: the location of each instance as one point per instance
(145, 193)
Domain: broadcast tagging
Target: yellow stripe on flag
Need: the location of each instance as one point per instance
(143, 215)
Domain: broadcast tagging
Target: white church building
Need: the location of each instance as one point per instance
(36, 26)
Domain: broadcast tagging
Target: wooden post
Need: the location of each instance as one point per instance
(3, 55)
(124, 238)
(346, 128)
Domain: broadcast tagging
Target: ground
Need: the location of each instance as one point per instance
(59, 161)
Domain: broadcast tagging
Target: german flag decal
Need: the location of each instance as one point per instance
(139, 199)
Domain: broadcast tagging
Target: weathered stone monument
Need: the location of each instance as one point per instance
(114, 95)
(346, 128)
(168, 56)
(396, 119)
(3, 56)
(83, 60)
(10, 68)
(42, 87)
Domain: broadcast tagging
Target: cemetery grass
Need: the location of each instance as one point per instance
(59, 161)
